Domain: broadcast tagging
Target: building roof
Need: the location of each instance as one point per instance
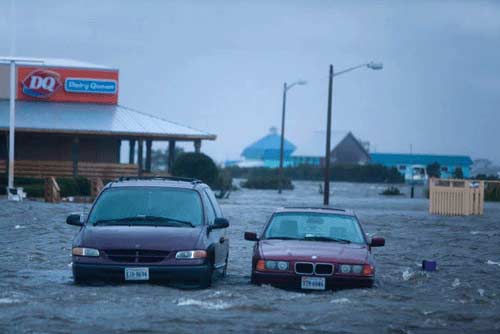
(420, 159)
(55, 62)
(314, 145)
(94, 119)
(268, 147)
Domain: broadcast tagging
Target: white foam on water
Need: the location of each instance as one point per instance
(8, 301)
(217, 305)
(481, 292)
(407, 274)
(456, 283)
(493, 263)
(340, 301)
(18, 227)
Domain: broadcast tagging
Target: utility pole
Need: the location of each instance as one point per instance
(282, 142)
(326, 187)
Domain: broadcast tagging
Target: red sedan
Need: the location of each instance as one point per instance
(313, 249)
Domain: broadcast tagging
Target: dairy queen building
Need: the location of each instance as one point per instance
(69, 122)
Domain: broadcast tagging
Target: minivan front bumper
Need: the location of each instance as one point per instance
(181, 275)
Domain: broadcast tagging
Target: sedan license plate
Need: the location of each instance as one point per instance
(136, 274)
(313, 283)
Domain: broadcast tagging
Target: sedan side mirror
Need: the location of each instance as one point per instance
(219, 223)
(75, 219)
(251, 236)
(377, 242)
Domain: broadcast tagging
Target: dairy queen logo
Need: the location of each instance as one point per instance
(41, 83)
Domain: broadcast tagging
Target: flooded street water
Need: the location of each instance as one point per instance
(463, 296)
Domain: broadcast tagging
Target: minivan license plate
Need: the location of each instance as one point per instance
(313, 283)
(136, 274)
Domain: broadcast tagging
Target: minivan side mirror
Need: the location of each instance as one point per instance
(377, 242)
(74, 219)
(219, 223)
(251, 236)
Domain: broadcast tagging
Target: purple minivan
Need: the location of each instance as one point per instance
(166, 230)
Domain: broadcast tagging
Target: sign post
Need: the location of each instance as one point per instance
(12, 124)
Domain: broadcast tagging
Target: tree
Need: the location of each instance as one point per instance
(198, 166)
(458, 173)
(434, 170)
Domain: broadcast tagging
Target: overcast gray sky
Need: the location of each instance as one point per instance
(220, 65)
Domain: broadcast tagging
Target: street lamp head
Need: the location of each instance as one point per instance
(375, 65)
(302, 82)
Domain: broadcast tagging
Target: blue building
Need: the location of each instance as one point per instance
(407, 164)
(265, 152)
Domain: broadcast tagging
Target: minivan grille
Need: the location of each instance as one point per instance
(304, 268)
(135, 255)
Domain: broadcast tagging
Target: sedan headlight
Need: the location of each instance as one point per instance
(357, 269)
(273, 265)
(82, 251)
(193, 254)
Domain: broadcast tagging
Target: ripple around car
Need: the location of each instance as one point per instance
(165, 230)
(313, 249)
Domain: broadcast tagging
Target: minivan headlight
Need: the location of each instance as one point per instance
(193, 254)
(82, 251)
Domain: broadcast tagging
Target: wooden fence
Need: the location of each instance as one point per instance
(43, 169)
(456, 197)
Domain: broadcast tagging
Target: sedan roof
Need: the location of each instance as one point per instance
(318, 209)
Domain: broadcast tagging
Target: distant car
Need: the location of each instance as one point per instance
(313, 249)
(166, 230)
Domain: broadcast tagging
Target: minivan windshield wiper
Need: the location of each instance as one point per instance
(321, 238)
(282, 238)
(147, 220)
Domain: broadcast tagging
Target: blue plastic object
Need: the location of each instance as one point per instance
(429, 265)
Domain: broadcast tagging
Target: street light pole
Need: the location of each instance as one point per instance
(282, 141)
(286, 88)
(326, 187)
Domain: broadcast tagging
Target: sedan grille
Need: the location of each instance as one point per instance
(305, 268)
(135, 255)
(325, 269)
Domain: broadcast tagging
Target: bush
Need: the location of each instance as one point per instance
(492, 192)
(391, 191)
(198, 166)
(34, 187)
(78, 186)
(266, 182)
(346, 173)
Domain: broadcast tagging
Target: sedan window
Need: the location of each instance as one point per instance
(148, 206)
(314, 227)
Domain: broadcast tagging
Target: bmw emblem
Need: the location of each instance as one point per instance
(314, 257)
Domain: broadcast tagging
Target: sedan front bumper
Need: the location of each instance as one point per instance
(293, 281)
(183, 276)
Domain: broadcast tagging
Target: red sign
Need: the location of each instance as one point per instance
(67, 85)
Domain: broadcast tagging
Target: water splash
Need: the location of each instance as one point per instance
(216, 305)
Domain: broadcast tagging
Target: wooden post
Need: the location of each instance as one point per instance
(149, 144)
(52, 192)
(171, 155)
(75, 148)
(96, 186)
(197, 146)
(139, 157)
(131, 151)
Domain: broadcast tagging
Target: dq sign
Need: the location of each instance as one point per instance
(66, 84)
(41, 83)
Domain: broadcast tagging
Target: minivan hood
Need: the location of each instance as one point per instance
(298, 250)
(140, 237)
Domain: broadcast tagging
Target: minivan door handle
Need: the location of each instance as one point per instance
(222, 239)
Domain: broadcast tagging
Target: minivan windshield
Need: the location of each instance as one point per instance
(314, 227)
(148, 206)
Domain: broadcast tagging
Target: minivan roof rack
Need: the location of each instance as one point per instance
(161, 178)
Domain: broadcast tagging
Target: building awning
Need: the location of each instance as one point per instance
(95, 119)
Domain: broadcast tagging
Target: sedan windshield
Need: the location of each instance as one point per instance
(314, 227)
(148, 206)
